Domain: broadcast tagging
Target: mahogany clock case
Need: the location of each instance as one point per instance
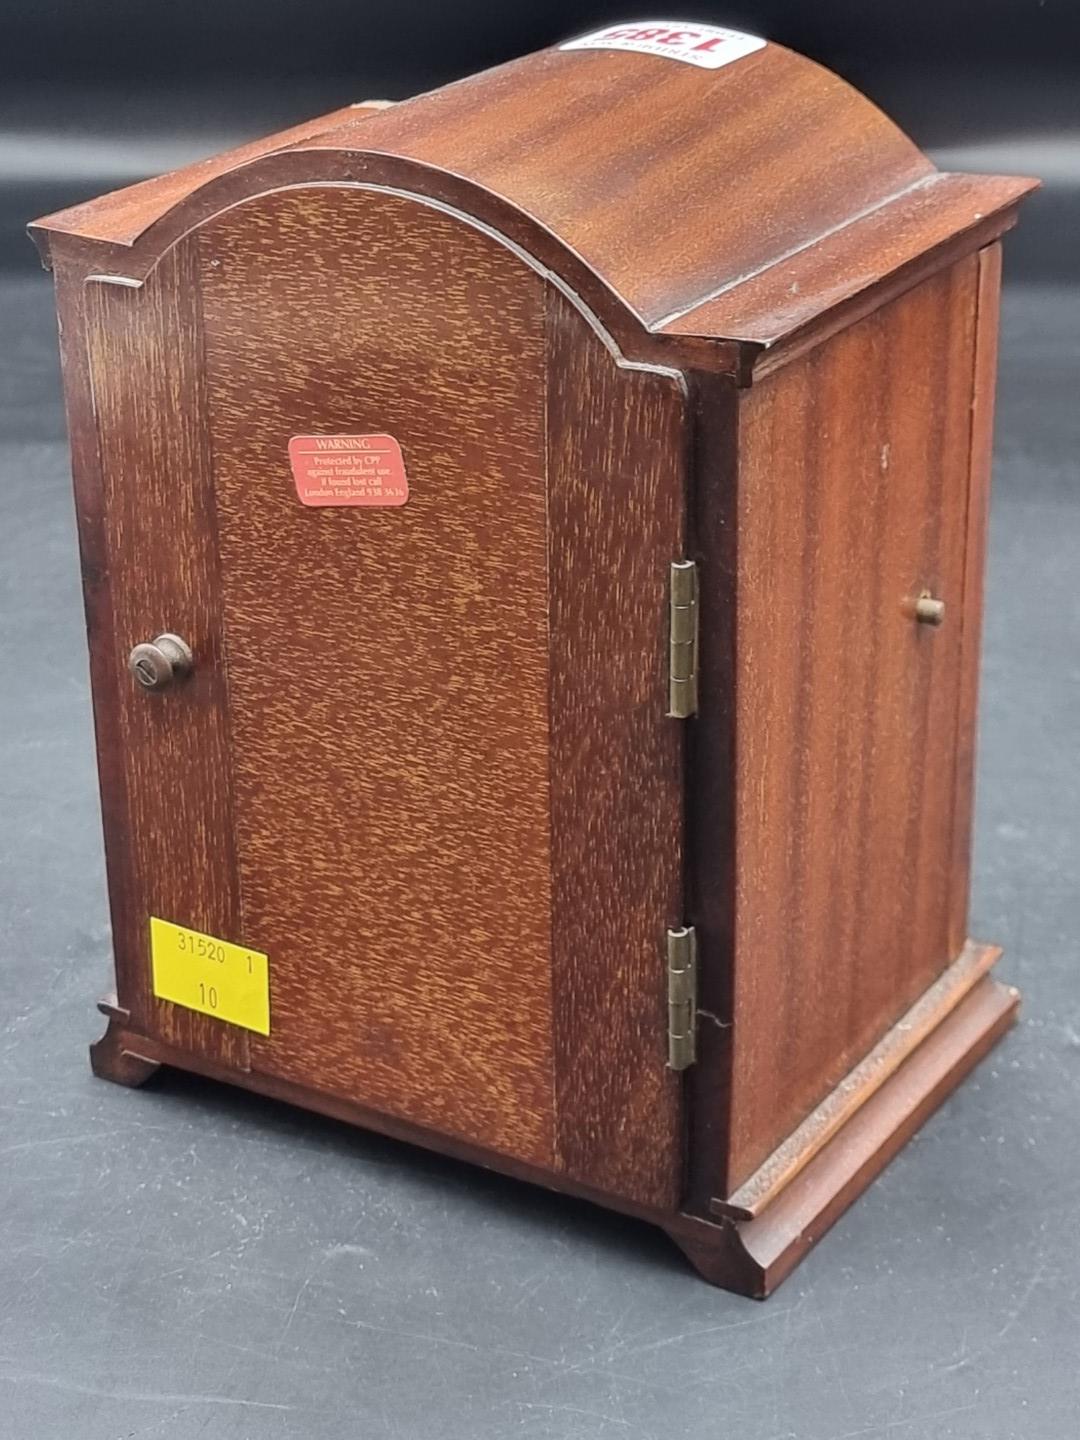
(608, 824)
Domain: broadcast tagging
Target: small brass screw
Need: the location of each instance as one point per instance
(928, 610)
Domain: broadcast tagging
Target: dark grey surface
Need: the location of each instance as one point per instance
(185, 1261)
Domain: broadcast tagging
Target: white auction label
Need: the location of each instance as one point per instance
(709, 46)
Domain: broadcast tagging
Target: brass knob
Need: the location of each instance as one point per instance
(156, 664)
(929, 611)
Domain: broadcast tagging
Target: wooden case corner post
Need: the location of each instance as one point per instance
(534, 646)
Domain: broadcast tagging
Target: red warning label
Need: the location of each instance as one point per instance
(348, 470)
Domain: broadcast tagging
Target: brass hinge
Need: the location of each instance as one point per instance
(683, 658)
(682, 996)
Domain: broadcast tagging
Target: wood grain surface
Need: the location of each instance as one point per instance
(978, 511)
(711, 789)
(403, 828)
(852, 500)
(618, 442)
(420, 702)
(800, 299)
(616, 311)
(627, 133)
(149, 399)
(860, 1085)
(124, 215)
(753, 1258)
(770, 199)
(388, 667)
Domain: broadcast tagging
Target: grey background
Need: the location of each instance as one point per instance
(187, 1261)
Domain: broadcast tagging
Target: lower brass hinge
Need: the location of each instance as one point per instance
(682, 997)
(683, 646)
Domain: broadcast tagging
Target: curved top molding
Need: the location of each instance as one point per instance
(669, 180)
(725, 212)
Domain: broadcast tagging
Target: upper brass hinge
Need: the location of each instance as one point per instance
(682, 996)
(683, 647)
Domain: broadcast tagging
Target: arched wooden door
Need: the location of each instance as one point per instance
(423, 763)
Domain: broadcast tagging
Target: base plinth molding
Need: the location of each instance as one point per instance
(750, 1257)
(753, 1256)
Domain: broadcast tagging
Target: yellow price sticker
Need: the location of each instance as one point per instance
(212, 976)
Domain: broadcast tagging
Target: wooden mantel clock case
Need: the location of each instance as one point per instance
(533, 544)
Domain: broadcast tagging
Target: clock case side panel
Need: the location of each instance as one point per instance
(751, 1129)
